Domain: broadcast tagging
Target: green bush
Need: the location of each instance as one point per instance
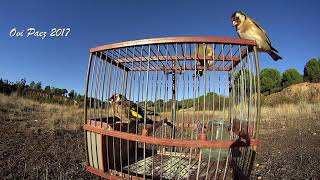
(270, 80)
(312, 70)
(291, 76)
(37, 86)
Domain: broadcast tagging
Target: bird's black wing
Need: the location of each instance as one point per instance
(265, 33)
(139, 109)
(142, 110)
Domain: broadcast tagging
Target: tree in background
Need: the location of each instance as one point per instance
(60, 91)
(312, 70)
(22, 83)
(32, 84)
(65, 92)
(270, 80)
(79, 98)
(150, 103)
(48, 94)
(37, 86)
(71, 94)
(7, 87)
(53, 91)
(47, 89)
(291, 76)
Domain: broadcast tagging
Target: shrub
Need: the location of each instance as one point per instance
(291, 76)
(270, 80)
(312, 70)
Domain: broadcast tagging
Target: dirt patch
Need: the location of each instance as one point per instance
(290, 149)
(28, 151)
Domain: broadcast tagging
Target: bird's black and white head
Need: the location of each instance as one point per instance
(115, 98)
(238, 17)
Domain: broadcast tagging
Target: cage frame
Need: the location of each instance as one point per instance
(144, 138)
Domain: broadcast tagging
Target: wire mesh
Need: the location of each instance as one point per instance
(178, 92)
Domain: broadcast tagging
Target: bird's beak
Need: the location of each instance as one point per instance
(234, 23)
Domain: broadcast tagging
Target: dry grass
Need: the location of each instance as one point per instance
(298, 93)
(289, 111)
(278, 112)
(51, 116)
(54, 116)
(188, 115)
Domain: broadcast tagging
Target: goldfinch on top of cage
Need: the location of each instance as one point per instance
(247, 28)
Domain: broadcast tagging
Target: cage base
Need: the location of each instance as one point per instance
(168, 167)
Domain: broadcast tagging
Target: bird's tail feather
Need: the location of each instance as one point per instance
(273, 49)
(274, 56)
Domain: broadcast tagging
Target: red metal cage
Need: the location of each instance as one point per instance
(204, 97)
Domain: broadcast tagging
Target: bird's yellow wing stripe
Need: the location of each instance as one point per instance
(135, 114)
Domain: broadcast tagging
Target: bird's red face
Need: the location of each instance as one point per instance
(115, 98)
(237, 18)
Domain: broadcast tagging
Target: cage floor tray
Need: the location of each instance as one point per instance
(174, 167)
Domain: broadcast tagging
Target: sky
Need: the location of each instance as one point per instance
(293, 27)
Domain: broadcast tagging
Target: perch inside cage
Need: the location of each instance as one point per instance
(172, 108)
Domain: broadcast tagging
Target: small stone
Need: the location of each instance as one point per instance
(314, 133)
(10, 176)
(257, 165)
(283, 169)
(259, 177)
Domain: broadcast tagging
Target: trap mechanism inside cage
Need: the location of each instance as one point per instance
(172, 108)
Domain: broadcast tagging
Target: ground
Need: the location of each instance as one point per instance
(32, 148)
(31, 152)
(290, 149)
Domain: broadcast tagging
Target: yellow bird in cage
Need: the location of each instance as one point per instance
(198, 55)
(247, 28)
(127, 110)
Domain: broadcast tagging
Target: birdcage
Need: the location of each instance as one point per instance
(172, 108)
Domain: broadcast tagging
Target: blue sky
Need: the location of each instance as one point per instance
(293, 27)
